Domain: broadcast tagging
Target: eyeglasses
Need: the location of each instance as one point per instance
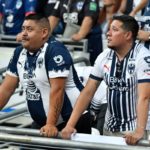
(118, 69)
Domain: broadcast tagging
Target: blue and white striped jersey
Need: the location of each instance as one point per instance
(122, 79)
(33, 71)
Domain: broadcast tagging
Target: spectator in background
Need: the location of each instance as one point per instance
(125, 68)
(110, 8)
(12, 13)
(48, 9)
(84, 14)
(144, 32)
(138, 7)
(126, 7)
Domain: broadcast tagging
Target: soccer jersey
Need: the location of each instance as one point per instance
(13, 12)
(121, 79)
(78, 9)
(75, 13)
(100, 94)
(34, 71)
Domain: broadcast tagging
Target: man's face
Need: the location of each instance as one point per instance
(32, 35)
(116, 36)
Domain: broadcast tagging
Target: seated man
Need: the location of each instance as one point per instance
(45, 70)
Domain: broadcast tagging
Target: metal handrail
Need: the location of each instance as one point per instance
(81, 59)
(65, 143)
(34, 132)
(13, 113)
(2, 70)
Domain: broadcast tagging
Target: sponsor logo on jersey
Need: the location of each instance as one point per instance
(93, 6)
(59, 60)
(118, 84)
(32, 93)
(147, 59)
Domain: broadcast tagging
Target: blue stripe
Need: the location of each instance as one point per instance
(77, 81)
(143, 80)
(66, 109)
(95, 78)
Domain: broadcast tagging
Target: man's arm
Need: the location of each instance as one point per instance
(84, 29)
(142, 113)
(55, 105)
(7, 88)
(53, 22)
(143, 35)
(122, 7)
(82, 103)
(139, 7)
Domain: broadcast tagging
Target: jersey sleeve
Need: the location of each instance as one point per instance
(91, 9)
(143, 66)
(59, 62)
(97, 72)
(12, 66)
(30, 6)
(57, 9)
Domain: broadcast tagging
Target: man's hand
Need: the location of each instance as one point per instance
(67, 131)
(49, 131)
(77, 37)
(133, 138)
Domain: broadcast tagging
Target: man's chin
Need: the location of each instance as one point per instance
(110, 46)
(25, 45)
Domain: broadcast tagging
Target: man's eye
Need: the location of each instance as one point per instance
(29, 29)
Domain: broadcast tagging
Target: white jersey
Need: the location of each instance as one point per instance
(100, 94)
(121, 79)
(34, 71)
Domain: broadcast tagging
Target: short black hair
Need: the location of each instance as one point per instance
(129, 24)
(40, 19)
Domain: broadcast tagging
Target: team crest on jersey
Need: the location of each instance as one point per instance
(10, 18)
(147, 59)
(131, 68)
(58, 59)
(79, 5)
(40, 62)
(18, 4)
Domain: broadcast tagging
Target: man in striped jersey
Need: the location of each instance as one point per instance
(45, 70)
(125, 67)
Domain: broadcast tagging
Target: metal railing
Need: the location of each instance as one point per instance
(32, 136)
(51, 142)
(73, 45)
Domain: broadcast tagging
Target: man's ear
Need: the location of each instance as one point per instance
(45, 33)
(128, 35)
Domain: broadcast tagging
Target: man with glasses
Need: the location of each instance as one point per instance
(125, 67)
